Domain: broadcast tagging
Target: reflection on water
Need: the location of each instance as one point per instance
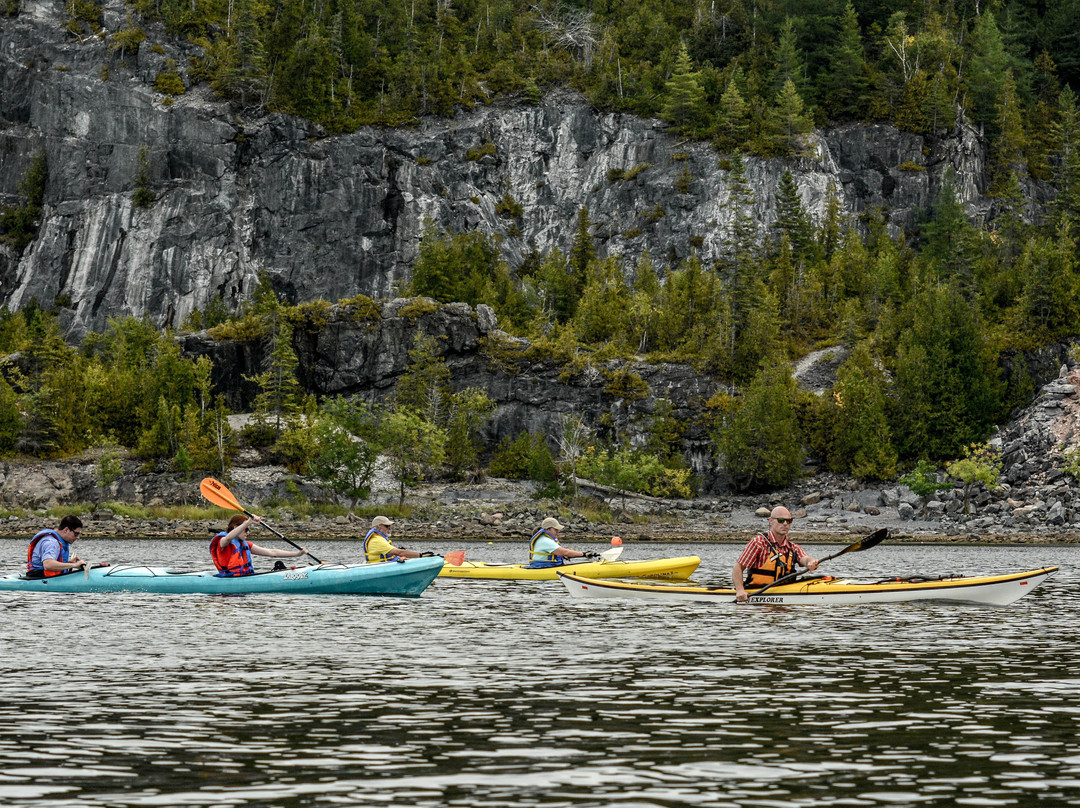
(513, 694)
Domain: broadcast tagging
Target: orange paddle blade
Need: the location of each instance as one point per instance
(455, 557)
(219, 494)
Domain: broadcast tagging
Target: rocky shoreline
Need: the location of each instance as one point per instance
(827, 509)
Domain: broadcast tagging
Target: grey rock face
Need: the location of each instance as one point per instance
(330, 217)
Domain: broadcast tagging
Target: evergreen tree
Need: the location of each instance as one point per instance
(846, 83)
(986, 69)
(1008, 152)
(582, 254)
(791, 218)
(424, 387)
(19, 223)
(787, 122)
(761, 446)
(947, 250)
(947, 388)
(1050, 302)
(1067, 176)
(643, 308)
(278, 401)
(732, 118)
(788, 64)
(684, 98)
(604, 303)
(831, 230)
(11, 418)
(862, 442)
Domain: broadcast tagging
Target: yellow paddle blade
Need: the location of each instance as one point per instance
(219, 494)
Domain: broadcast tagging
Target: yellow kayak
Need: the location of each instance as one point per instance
(671, 569)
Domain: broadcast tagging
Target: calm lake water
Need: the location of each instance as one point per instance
(512, 694)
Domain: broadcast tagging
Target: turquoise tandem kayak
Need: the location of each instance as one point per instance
(396, 578)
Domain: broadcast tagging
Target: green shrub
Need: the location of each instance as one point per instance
(527, 457)
(627, 384)
(477, 152)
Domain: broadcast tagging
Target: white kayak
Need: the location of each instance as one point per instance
(991, 590)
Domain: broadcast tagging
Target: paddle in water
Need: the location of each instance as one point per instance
(222, 497)
(865, 543)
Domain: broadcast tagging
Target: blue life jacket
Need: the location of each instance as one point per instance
(540, 560)
(381, 556)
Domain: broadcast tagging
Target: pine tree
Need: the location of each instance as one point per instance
(787, 122)
(1067, 177)
(761, 446)
(947, 389)
(791, 218)
(582, 253)
(862, 442)
(424, 387)
(986, 69)
(278, 401)
(732, 119)
(1008, 152)
(846, 83)
(684, 98)
(1050, 302)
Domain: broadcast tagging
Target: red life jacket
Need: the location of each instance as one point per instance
(776, 565)
(234, 560)
(65, 550)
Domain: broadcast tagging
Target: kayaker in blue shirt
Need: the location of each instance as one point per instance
(545, 550)
(50, 550)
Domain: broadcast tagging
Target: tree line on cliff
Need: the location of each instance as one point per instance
(748, 74)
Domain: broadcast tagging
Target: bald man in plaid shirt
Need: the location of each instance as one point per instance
(773, 552)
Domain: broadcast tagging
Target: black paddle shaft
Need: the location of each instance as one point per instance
(289, 541)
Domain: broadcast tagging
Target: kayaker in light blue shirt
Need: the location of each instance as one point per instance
(545, 550)
(50, 551)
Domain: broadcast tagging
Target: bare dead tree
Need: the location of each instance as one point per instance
(572, 30)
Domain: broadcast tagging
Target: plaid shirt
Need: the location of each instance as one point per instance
(758, 551)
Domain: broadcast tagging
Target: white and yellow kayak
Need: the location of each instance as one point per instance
(671, 569)
(992, 590)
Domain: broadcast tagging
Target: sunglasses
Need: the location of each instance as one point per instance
(785, 521)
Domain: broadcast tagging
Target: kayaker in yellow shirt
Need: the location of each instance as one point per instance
(377, 544)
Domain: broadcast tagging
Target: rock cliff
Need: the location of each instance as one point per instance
(329, 217)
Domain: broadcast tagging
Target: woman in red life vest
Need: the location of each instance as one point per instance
(232, 551)
(769, 557)
(50, 550)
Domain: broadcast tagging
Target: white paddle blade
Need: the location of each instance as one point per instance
(612, 554)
